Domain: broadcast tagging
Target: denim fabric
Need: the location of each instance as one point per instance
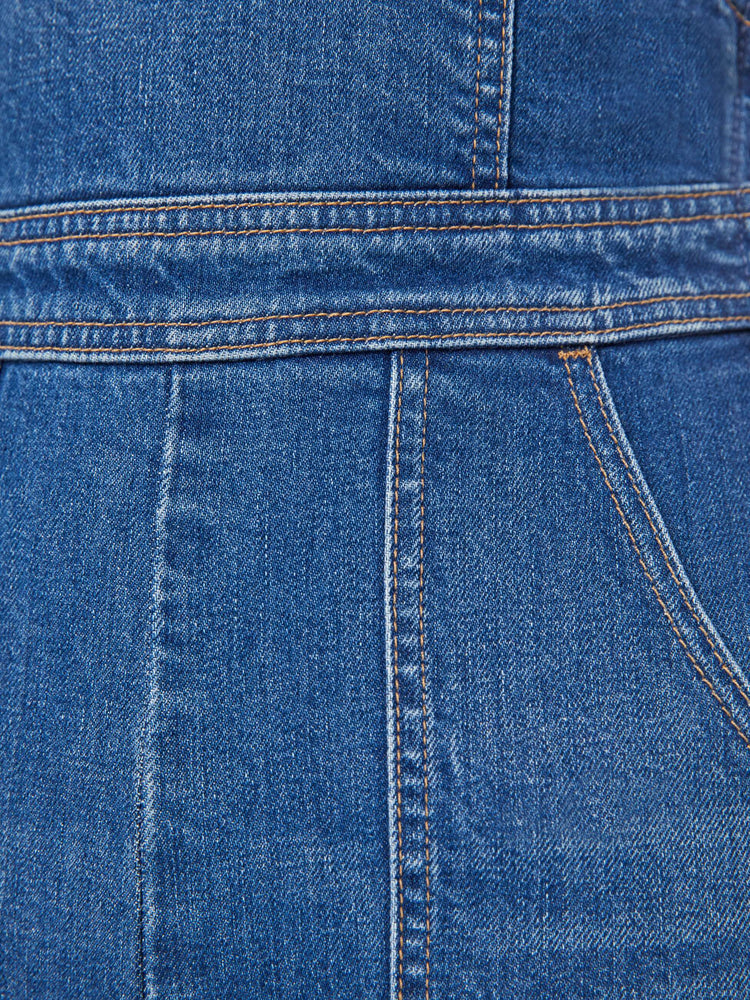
(101, 98)
(375, 500)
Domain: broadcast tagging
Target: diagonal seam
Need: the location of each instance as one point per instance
(738, 13)
(565, 356)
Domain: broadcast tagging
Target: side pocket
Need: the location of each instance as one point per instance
(652, 547)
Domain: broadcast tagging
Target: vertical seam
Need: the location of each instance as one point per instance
(564, 357)
(140, 933)
(672, 573)
(396, 685)
(500, 101)
(422, 656)
(738, 153)
(476, 99)
(145, 795)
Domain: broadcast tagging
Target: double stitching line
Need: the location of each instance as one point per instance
(365, 202)
(396, 685)
(387, 311)
(375, 230)
(487, 336)
(672, 573)
(397, 690)
(586, 353)
(423, 665)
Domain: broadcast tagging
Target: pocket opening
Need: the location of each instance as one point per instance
(651, 542)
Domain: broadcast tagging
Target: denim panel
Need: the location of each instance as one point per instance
(265, 860)
(684, 409)
(611, 94)
(501, 772)
(338, 665)
(589, 815)
(249, 277)
(131, 100)
(197, 790)
(113, 99)
(79, 461)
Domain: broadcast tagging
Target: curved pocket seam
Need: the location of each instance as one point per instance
(657, 536)
(585, 354)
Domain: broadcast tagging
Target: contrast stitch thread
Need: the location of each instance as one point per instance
(564, 356)
(422, 657)
(375, 230)
(396, 686)
(385, 311)
(737, 12)
(373, 202)
(476, 99)
(581, 352)
(370, 339)
(657, 536)
(500, 101)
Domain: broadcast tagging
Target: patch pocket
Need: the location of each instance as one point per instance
(704, 649)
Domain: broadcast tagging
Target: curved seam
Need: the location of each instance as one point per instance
(423, 664)
(476, 99)
(701, 673)
(373, 202)
(371, 338)
(396, 686)
(373, 230)
(500, 100)
(385, 311)
(657, 536)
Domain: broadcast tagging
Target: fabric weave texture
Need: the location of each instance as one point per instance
(375, 500)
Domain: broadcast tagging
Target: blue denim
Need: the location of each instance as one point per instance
(375, 500)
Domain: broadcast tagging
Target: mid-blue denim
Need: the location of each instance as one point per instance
(375, 500)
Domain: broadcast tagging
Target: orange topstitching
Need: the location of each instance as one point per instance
(372, 202)
(657, 536)
(701, 673)
(371, 230)
(380, 311)
(396, 685)
(371, 338)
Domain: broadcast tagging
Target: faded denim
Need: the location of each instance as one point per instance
(375, 500)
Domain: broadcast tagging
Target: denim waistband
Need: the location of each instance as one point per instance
(271, 275)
